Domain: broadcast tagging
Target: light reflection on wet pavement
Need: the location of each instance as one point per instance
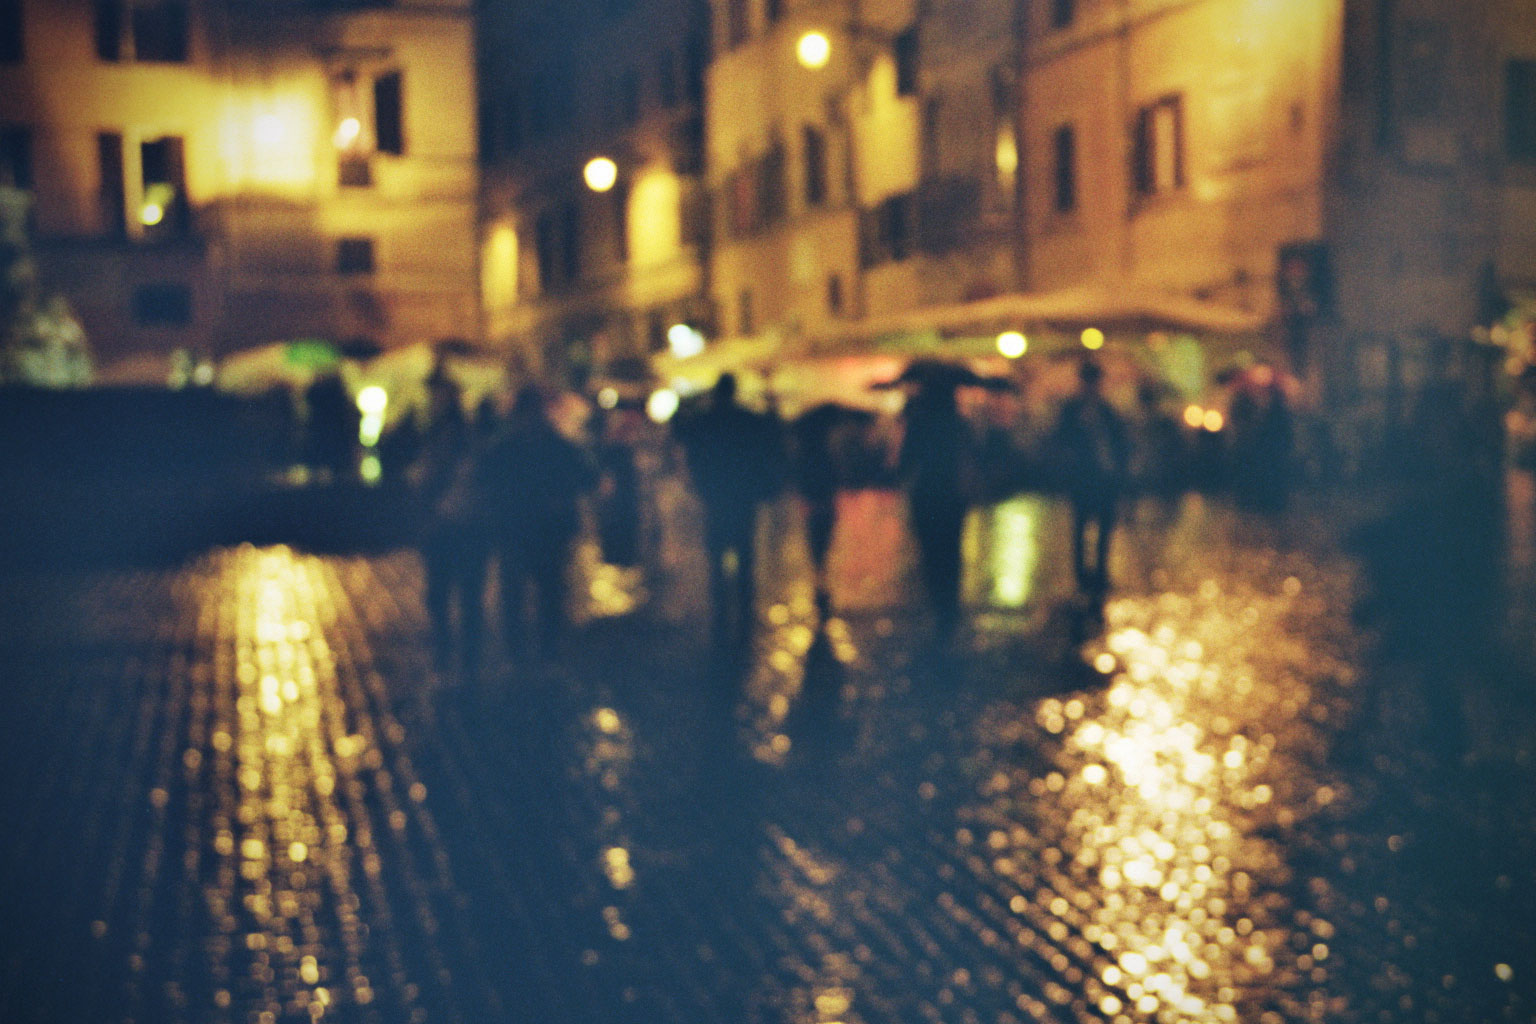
(236, 793)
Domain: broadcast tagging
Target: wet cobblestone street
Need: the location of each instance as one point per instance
(234, 790)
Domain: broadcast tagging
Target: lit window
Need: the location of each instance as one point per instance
(1159, 147)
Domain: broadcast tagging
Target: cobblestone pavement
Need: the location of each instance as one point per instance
(235, 791)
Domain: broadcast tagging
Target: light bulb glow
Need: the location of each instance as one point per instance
(600, 174)
(1012, 344)
(813, 50)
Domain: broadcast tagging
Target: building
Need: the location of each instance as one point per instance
(207, 175)
(1319, 182)
(593, 229)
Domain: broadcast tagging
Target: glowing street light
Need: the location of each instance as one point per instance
(1093, 338)
(601, 174)
(813, 50)
(685, 341)
(348, 132)
(1012, 344)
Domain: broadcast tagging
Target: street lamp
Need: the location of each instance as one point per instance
(813, 50)
(600, 174)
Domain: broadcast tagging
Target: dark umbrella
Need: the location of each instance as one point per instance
(940, 373)
(453, 347)
(361, 349)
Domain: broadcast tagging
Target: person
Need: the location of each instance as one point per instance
(330, 434)
(455, 540)
(735, 458)
(1262, 441)
(816, 462)
(618, 505)
(937, 463)
(1091, 438)
(535, 479)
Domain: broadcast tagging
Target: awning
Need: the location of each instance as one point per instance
(1123, 310)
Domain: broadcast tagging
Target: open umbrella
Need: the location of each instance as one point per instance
(941, 373)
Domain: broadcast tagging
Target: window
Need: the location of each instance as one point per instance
(354, 256)
(773, 10)
(906, 54)
(1064, 154)
(737, 25)
(114, 187)
(389, 113)
(15, 156)
(887, 232)
(162, 305)
(144, 30)
(1158, 151)
(746, 321)
(354, 171)
(771, 191)
(835, 294)
(1062, 13)
(570, 242)
(11, 49)
(163, 187)
(1520, 110)
(813, 152)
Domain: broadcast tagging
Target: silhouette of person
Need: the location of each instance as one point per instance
(937, 463)
(735, 458)
(1262, 442)
(816, 462)
(1092, 440)
(330, 435)
(455, 542)
(536, 479)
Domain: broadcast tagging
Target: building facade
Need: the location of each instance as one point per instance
(587, 266)
(208, 175)
(1330, 170)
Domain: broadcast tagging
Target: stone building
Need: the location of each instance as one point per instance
(207, 175)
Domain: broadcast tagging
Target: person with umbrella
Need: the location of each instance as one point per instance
(1091, 439)
(938, 466)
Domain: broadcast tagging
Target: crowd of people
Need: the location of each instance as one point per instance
(513, 493)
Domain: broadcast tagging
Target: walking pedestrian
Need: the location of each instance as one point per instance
(938, 465)
(536, 479)
(817, 467)
(455, 539)
(1091, 439)
(735, 457)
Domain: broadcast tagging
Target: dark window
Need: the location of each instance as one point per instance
(835, 294)
(656, 330)
(545, 245)
(771, 190)
(109, 30)
(814, 156)
(162, 305)
(773, 10)
(1158, 152)
(928, 142)
(1064, 153)
(620, 194)
(570, 242)
(164, 211)
(389, 113)
(1062, 12)
(160, 30)
(888, 230)
(114, 195)
(15, 156)
(746, 321)
(354, 171)
(737, 24)
(354, 256)
(11, 47)
(906, 53)
(1520, 110)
